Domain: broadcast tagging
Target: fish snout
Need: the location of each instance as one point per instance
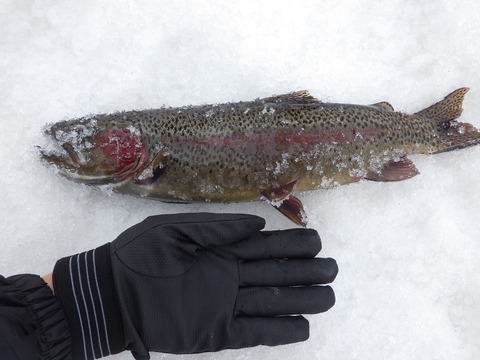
(67, 146)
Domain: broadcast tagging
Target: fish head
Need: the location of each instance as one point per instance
(95, 150)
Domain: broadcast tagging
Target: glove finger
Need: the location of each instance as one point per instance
(249, 332)
(274, 301)
(205, 229)
(287, 272)
(292, 243)
(222, 229)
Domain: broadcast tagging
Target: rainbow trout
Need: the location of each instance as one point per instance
(266, 148)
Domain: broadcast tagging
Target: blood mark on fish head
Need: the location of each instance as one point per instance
(120, 147)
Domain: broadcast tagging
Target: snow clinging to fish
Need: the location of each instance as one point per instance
(266, 148)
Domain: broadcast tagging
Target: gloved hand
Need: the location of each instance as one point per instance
(191, 283)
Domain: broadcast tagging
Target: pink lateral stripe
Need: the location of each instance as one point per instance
(305, 137)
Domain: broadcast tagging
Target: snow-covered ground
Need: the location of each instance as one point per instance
(409, 252)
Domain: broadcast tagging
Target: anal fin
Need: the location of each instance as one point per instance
(281, 199)
(394, 171)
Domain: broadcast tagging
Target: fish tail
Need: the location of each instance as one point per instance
(451, 134)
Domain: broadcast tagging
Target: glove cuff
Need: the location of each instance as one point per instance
(84, 285)
(49, 318)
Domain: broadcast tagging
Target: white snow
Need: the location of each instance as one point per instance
(408, 252)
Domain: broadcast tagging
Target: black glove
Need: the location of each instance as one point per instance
(191, 283)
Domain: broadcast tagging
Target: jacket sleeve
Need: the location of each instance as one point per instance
(32, 322)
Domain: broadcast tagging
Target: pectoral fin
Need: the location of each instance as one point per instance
(281, 199)
(395, 171)
(154, 169)
(279, 193)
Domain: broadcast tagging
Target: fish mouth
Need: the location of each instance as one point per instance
(76, 155)
(60, 154)
(69, 162)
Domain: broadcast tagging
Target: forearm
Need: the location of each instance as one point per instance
(49, 281)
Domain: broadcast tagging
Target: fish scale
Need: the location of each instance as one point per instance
(214, 154)
(263, 148)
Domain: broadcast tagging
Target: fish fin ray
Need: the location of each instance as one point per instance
(296, 97)
(456, 135)
(394, 171)
(281, 199)
(383, 105)
(154, 169)
(451, 133)
(448, 109)
(292, 208)
(278, 193)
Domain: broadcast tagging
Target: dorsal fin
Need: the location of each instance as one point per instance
(383, 105)
(296, 97)
(447, 109)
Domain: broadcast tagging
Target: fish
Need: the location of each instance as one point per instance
(266, 149)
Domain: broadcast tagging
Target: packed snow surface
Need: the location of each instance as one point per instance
(408, 252)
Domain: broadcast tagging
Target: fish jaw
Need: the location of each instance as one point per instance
(87, 153)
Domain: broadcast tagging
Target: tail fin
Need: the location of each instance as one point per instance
(447, 109)
(451, 134)
(456, 135)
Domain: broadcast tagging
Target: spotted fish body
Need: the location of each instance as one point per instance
(267, 147)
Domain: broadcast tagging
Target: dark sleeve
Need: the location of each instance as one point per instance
(32, 323)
